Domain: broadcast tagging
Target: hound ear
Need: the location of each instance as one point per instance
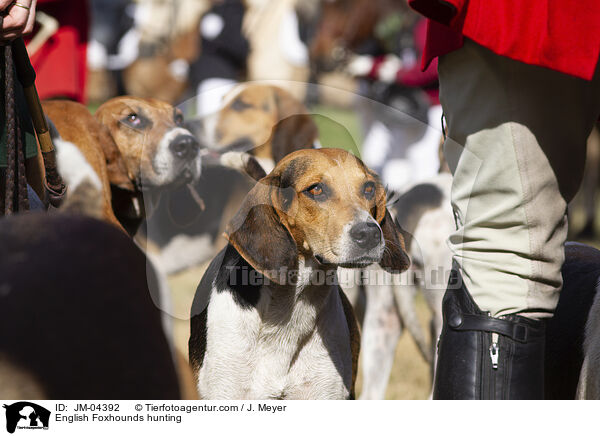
(118, 174)
(258, 234)
(395, 259)
(295, 129)
(296, 132)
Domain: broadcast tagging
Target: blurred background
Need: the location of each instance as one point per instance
(354, 64)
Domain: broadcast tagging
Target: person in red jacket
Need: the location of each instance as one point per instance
(520, 89)
(60, 64)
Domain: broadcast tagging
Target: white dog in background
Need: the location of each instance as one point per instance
(387, 306)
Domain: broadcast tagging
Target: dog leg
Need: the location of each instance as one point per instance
(380, 335)
(350, 281)
(405, 302)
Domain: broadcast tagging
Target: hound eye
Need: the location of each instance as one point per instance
(316, 191)
(369, 190)
(136, 121)
(133, 119)
(178, 119)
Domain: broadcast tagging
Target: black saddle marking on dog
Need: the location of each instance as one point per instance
(243, 143)
(228, 272)
(237, 276)
(197, 341)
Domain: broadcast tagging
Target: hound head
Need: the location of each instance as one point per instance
(324, 204)
(265, 121)
(157, 150)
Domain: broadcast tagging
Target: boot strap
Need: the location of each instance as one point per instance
(517, 331)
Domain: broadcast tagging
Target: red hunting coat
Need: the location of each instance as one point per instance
(563, 35)
(60, 64)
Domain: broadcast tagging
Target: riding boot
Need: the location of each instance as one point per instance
(480, 357)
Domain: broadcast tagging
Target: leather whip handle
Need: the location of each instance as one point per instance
(26, 75)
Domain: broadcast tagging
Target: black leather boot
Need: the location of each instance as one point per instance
(485, 358)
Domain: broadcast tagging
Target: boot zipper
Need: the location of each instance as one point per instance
(494, 354)
(494, 350)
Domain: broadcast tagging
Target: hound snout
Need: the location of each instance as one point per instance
(366, 235)
(184, 147)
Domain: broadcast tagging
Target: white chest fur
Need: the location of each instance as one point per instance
(292, 346)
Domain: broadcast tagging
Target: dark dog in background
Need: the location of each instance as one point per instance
(572, 333)
(82, 304)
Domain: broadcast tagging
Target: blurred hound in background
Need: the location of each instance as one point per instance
(402, 136)
(222, 62)
(113, 45)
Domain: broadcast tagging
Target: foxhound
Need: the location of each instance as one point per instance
(269, 320)
(132, 146)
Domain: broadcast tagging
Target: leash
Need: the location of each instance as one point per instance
(55, 187)
(15, 195)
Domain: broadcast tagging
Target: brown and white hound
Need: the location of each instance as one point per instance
(134, 148)
(269, 320)
(257, 126)
(266, 121)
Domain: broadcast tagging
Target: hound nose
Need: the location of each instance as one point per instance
(366, 235)
(184, 147)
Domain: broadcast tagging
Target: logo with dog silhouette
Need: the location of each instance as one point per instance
(26, 415)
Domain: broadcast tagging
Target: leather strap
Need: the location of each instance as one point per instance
(518, 331)
(470, 317)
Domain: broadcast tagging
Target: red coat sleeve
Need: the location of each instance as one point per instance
(561, 35)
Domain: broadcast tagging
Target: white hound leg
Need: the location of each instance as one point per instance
(381, 331)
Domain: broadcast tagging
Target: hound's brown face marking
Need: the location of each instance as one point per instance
(329, 204)
(251, 115)
(331, 191)
(147, 133)
(263, 119)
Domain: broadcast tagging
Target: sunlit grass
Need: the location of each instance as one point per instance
(338, 128)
